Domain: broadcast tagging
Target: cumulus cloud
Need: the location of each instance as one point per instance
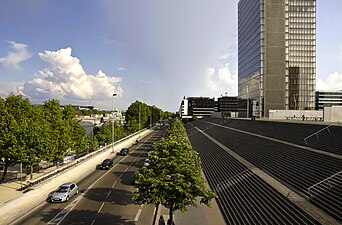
(221, 80)
(7, 88)
(65, 78)
(332, 82)
(18, 54)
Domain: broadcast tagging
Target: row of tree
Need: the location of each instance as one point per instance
(30, 134)
(138, 116)
(173, 177)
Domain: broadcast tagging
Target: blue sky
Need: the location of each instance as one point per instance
(83, 51)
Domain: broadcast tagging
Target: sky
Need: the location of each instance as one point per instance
(83, 51)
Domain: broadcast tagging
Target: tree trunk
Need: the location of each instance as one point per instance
(4, 173)
(170, 221)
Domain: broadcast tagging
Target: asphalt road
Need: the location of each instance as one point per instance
(105, 196)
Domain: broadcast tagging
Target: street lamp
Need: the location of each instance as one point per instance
(247, 101)
(113, 122)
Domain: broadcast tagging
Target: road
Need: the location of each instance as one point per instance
(105, 195)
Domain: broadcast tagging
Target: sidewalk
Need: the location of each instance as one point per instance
(13, 189)
(201, 214)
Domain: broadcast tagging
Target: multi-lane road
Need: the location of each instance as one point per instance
(105, 196)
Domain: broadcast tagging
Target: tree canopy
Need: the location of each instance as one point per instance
(173, 177)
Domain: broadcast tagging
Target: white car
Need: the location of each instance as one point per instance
(147, 162)
(64, 192)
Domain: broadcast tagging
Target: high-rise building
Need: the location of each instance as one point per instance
(277, 54)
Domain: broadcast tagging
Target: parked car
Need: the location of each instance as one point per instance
(64, 192)
(106, 164)
(124, 151)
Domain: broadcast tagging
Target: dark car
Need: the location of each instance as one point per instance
(64, 192)
(106, 164)
(124, 151)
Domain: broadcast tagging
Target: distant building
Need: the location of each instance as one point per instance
(328, 99)
(225, 106)
(196, 106)
(277, 54)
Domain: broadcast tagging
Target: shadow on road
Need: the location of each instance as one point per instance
(85, 217)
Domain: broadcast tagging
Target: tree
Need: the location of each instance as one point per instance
(58, 131)
(8, 138)
(173, 177)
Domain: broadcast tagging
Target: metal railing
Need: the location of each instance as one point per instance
(316, 134)
(322, 181)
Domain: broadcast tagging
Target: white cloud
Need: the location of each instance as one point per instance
(121, 68)
(221, 80)
(66, 79)
(7, 88)
(15, 57)
(332, 82)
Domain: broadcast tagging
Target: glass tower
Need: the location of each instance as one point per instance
(277, 54)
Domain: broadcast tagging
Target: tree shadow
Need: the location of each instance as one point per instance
(126, 177)
(116, 196)
(80, 217)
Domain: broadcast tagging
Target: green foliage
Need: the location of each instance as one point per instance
(29, 133)
(173, 177)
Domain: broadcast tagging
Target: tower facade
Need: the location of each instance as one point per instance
(277, 54)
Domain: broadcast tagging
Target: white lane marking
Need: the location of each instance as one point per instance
(100, 207)
(92, 222)
(114, 184)
(59, 217)
(136, 218)
(108, 193)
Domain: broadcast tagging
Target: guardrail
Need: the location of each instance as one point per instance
(322, 181)
(78, 160)
(316, 133)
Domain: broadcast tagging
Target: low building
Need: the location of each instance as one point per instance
(197, 106)
(328, 99)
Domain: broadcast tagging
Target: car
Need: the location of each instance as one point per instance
(147, 162)
(106, 164)
(124, 151)
(64, 192)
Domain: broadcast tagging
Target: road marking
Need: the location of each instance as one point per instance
(114, 184)
(136, 218)
(62, 214)
(108, 193)
(92, 222)
(100, 207)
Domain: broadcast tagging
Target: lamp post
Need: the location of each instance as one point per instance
(247, 112)
(113, 122)
(295, 101)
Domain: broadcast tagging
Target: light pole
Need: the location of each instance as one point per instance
(247, 112)
(113, 122)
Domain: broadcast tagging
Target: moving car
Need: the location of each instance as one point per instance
(64, 192)
(106, 164)
(147, 162)
(124, 151)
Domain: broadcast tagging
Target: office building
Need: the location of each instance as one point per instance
(197, 106)
(277, 54)
(328, 99)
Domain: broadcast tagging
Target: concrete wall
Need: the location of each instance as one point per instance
(333, 114)
(296, 115)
